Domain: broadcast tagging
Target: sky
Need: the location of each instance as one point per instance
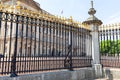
(107, 10)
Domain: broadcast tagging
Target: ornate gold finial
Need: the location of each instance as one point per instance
(1, 2)
(70, 19)
(1, 6)
(18, 3)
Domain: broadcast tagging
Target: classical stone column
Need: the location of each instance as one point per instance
(94, 23)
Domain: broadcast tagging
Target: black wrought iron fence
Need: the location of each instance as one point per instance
(31, 44)
(109, 37)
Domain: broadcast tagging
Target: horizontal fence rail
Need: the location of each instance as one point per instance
(30, 44)
(109, 37)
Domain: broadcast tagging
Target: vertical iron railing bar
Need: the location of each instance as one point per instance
(80, 38)
(76, 57)
(17, 56)
(55, 36)
(87, 59)
(5, 35)
(79, 46)
(111, 43)
(46, 41)
(116, 30)
(41, 25)
(71, 40)
(37, 43)
(113, 33)
(78, 49)
(44, 48)
(62, 33)
(88, 55)
(23, 46)
(53, 50)
(55, 46)
(107, 32)
(50, 41)
(21, 43)
(43, 45)
(31, 44)
(11, 27)
(108, 43)
(26, 45)
(76, 43)
(67, 56)
(101, 45)
(102, 35)
(1, 13)
(48, 44)
(18, 50)
(13, 63)
(65, 26)
(35, 55)
(90, 47)
(39, 35)
(31, 40)
(104, 41)
(63, 44)
(74, 54)
(81, 42)
(58, 49)
(119, 50)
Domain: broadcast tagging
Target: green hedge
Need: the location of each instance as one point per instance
(109, 47)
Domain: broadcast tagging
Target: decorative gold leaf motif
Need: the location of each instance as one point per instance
(19, 10)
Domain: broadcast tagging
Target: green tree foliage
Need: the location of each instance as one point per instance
(108, 47)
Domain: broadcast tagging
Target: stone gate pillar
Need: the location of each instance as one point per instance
(94, 23)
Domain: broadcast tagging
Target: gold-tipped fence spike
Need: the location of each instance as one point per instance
(40, 15)
(62, 18)
(18, 3)
(116, 24)
(113, 25)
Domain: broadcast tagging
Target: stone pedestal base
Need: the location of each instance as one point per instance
(98, 70)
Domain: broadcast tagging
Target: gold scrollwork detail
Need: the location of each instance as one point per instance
(19, 10)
